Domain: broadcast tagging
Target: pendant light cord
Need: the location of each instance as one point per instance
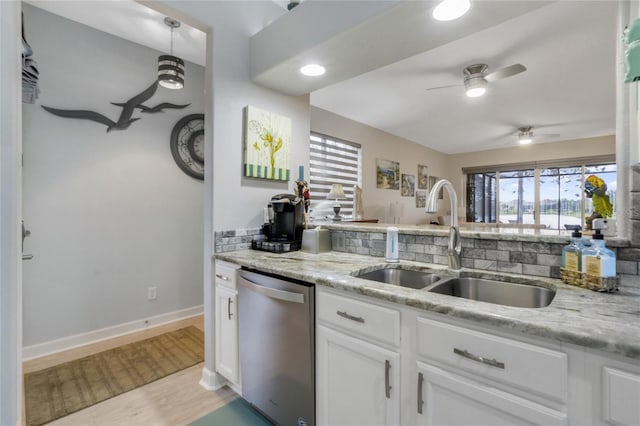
(172, 40)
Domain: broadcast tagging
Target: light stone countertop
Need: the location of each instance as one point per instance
(605, 321)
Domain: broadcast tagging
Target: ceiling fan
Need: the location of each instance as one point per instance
(525, 135)
(476, 79)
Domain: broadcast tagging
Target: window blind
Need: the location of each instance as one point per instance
(332, 160)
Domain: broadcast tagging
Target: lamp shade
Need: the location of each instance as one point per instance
(170, 72)
(336, 192)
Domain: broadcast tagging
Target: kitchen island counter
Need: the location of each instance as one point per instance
(608, 322)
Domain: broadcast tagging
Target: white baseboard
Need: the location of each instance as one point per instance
(211, 380)
(70, 342)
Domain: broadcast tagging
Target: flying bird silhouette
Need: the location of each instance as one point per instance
(124, 121)
(157, 108)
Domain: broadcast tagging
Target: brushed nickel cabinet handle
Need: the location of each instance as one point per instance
(27, 256)
(222, 277)
(229, 302)
(420, 401)
(387, 386)
(477, 358)
(351, 317)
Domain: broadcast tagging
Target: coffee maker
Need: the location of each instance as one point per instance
(283, 231)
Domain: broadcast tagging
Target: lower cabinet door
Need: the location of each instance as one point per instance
(226, 334)
(358, 383)
(445, 398)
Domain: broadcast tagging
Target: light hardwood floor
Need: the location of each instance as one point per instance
(177, 399)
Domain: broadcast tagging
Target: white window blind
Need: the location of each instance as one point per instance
(332, 160)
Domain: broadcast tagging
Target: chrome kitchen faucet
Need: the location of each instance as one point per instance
(454, 249)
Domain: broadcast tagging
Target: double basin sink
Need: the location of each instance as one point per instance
(524, 294)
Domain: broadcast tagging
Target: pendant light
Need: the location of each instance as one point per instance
(171, 68)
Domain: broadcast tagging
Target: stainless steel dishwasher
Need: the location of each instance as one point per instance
(277, 346)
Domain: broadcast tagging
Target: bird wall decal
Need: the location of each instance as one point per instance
(124, 121)
(157, 108)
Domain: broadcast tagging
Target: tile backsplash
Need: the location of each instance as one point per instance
(519, 257)
(237, 239)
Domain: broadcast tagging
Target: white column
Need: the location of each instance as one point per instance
(11, 213)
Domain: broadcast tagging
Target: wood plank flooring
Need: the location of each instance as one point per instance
(177, 399)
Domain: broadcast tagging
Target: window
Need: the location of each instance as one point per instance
(548, 194)
(332, 160)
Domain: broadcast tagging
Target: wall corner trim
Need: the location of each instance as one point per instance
(211, 380)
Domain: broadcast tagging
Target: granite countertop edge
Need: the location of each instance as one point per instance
(609, 322)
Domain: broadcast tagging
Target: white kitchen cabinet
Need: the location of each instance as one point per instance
(227, 356)
(357, 361)
(445, 398)
(358, 383)
(616, 389)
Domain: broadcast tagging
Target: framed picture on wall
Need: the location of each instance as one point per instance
(267, 151)
(423, 177)
(432, 182)
(421, 199)
(408, 185)
(387, 174)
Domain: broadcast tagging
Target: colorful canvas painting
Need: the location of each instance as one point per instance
(267, 144)
(408, 185)
(423, 177)
(421, 199)
(387, 174)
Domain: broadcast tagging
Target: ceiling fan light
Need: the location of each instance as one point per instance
(448, 10)
(475, 87)
(476, 92)
(525, 140)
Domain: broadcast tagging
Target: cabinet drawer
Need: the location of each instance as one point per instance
(531, 368)
(361, 318)
(621, 394)
(225, 273)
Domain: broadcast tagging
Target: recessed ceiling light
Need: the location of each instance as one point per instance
(313, 70)
(448, 10)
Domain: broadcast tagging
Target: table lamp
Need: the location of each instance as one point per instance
(336, 193)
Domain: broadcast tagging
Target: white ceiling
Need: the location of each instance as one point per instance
(568, 48)
(134, 22)
(568, 89)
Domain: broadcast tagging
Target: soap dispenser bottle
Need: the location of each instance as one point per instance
(572, 259)
(392, 253)
(598, 261)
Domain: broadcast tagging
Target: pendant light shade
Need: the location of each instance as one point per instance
(171, 68)
(170, 72)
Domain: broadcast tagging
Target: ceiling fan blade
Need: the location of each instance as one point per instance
(547, 135)
(505, 72)
(445, 87)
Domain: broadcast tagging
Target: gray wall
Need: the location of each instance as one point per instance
(111, 213)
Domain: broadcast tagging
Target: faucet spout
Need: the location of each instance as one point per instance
(454, 249)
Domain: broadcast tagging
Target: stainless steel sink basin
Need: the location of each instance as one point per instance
(401, 277)
(498, 292)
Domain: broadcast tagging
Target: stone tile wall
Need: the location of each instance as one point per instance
(528, 258)
(238, 239)
(635, 205)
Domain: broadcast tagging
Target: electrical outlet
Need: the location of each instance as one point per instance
(152, 293)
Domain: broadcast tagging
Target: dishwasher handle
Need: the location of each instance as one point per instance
(273, 293)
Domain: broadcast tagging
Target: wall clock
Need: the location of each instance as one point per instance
(187, 145)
